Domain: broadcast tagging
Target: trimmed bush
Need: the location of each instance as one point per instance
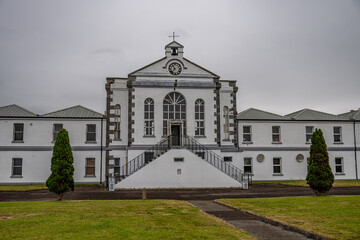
(320, 177)
(62, 169)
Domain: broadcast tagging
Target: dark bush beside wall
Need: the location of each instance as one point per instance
(62, 169)
(320, 177)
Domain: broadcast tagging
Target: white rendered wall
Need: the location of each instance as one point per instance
(162, 173)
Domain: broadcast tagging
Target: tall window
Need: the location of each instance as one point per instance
(90, 167)
(56, 130)
(199, 117)
(18, 131)
(17, 167)
(90, 132)
(339, 165)
(337, 135)
(174, 108)
(246, 133)
(226, 122)
(309, 131)
(248, 165)
(117, 115)
(276, 134)
(149, 117)
(276, 165)
(117, 168)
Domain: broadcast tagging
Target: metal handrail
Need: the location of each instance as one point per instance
(142, 159)
(216, 160)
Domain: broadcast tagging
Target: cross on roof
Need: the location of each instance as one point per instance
(174, 36)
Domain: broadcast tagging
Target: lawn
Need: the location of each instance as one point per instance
(122, 219)
(302, 183)
(336, 217)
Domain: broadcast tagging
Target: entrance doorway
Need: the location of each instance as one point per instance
(176, 134)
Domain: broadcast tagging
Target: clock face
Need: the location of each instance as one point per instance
(175, 68)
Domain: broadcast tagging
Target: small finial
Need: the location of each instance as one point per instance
(174, 36)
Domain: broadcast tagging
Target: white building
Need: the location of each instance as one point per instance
(174, 124)
(27, 140)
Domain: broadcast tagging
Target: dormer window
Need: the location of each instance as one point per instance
(174, 51)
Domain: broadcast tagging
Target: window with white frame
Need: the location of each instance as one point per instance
(246, 133)
(309, 131)
(337, 135)
(18, 132)
(277, 165)
(90, 167)
(117, 168)
(226, 123)
(149, 117)
(227, 159)
(276, 134)
(248, 165)
(117, 115)
(90, 133)
(339, 165)
(17, 167)
(56, 129)
(199, 117)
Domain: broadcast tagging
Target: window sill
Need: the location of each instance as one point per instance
(338, 143)
(278, 174)
(117, 140)
(247, 143)
(16, 176)
(200, 136)
(339, 174)
(91, 142)
(89, 176)
(276, 143)
(17, 141)
(149, 136)
(226, 140)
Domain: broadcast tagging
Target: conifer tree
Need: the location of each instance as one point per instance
(62, 169)
(320, 177)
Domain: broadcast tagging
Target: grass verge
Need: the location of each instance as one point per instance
(23, 188)
(123, 219)
(302, 183)
(336, 217)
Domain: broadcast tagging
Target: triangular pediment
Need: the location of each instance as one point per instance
(160, 68)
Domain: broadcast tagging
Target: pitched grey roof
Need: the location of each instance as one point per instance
(256, 114)
(74, 112)
(352, 115)
(15, 111)
(309, 114)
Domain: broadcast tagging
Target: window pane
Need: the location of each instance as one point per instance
(196, 115)
(246, 137)
(202, 108)
(337, 160)
(276, 161)
(201, 115)
(90, 137)
(19, 127)
(308, 138)
(337, 138)
(246, 129)
(117, 161)
(152, 108)
(91, 128)
(177, 108)
(338, 169)
(90, 170)
(17, 162)
(18, 136)
(58, 127)
(276, 138)
(276, 129)
(247, 169)
(202, 131)
(337, 130)
(90, 161)
(171, 115)
(183, 116)
(277, 169)
(247, 161)
(17, 171)
(309, 129)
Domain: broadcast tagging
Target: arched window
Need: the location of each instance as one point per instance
(226, 122)
(174, 108)
(149, 117)
(199, 117)
(117, 115)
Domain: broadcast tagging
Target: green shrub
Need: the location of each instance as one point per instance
(320, 177)
(62, 169)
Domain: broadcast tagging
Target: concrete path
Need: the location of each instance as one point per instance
(246, 222)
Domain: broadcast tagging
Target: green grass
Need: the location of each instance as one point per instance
(123, 219)
(336, 217)
(302, 183)
(23, 188)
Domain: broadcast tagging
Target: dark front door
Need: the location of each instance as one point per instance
(175, 135)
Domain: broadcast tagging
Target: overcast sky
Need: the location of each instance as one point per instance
(285, 55)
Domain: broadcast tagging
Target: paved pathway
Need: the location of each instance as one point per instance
(246, 222)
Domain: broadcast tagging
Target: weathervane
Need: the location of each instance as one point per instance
(174, 36)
